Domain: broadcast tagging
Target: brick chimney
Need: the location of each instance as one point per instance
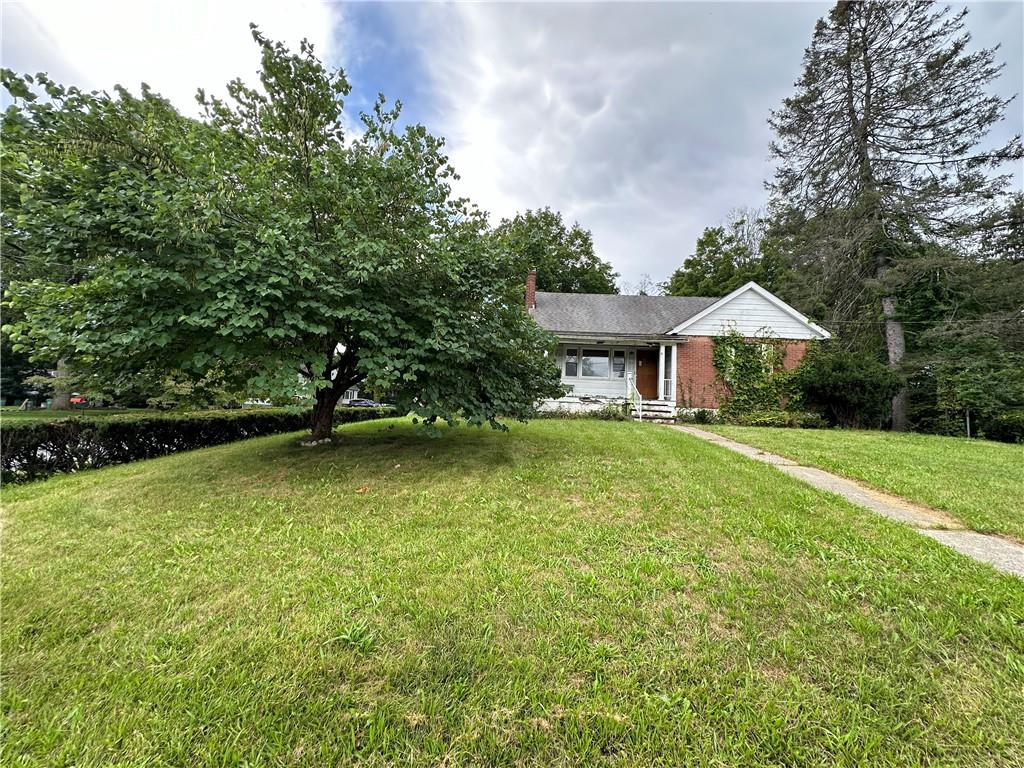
(531, 289)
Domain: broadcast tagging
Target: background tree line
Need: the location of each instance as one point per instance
(892, 220)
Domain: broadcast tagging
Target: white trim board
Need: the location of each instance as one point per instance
(695, 326)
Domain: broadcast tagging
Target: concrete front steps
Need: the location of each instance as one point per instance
(657, 412)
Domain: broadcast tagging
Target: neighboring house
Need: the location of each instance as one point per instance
(659, 348)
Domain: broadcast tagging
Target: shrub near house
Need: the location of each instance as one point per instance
(850, 390)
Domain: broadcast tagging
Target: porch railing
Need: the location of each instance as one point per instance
(634, 397)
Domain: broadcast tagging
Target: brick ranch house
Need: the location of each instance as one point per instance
(657, 349)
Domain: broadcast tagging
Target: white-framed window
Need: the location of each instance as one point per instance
(594, 363)
(767, 350)
(571, 362)
(667, 384)
(618, 363)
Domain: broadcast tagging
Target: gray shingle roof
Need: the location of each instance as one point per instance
(615, 315)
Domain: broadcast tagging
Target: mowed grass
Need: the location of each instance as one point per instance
(13, 414)
(980, 482)
(569, 593)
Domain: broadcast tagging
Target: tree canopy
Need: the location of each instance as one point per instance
(270, 239)
(729, 256)
(563, 256)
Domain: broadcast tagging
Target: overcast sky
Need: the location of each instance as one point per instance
(644, 122)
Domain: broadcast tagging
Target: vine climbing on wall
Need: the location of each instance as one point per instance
(752, 369)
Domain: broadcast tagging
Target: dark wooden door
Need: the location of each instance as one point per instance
(647, 373)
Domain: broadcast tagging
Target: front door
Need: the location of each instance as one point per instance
(647, 373)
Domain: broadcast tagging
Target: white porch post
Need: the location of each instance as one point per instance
(661, 371)
(672, 374)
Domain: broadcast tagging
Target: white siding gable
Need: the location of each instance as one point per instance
(752, 311)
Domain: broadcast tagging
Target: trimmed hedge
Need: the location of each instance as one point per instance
(30, 450)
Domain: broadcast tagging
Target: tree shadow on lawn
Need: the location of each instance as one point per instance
(395, 440)
(381, 449)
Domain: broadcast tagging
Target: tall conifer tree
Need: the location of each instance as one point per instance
(885, 143)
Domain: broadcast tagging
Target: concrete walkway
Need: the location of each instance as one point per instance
(1001, 553)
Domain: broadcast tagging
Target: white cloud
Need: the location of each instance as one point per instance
(647, 122)
(175, 47)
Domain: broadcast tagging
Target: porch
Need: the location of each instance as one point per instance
(661, 411)
(610, 368)
(598, 372)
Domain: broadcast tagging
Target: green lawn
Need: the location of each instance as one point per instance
(12, 413)
(570, 593)
(977, 481)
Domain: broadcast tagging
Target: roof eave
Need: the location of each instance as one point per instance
(612, 337)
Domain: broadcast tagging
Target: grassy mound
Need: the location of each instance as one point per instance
(569, 593)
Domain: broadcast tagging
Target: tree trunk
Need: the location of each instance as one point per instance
(323, 412)
(895, 345)
(61, 400)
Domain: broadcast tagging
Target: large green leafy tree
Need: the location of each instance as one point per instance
(883, 146)
(563, 256)
(262, 243)
(729, 256)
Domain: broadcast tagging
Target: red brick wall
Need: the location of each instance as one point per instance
(796, 351)
(697, 384)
